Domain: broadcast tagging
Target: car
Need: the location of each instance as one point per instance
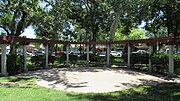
(102, 54)
(141, 52)
(39, 53)
(60, 52)
(28, 53)
(116, 53)
(75, 52)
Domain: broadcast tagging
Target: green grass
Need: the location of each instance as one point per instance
(27, 90)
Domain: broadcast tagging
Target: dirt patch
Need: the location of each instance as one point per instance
(8, 84)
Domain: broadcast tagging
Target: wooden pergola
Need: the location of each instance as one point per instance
(4, 40)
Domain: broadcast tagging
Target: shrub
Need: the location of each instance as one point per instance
(61, 57)
(37, 61)
(94, 58)
(73, 58)
(177, 64)
(160, 62)
(51, 59)
(139, 58)
(14, 64)
(83, 57)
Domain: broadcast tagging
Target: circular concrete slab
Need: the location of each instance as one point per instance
(93, 79)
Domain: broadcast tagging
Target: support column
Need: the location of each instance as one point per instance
(3, 59)
(129, 55)
(46, 55)
(25, 69)
(171, 61)
(108, 55)
(87, 53)
(67, 54)
(150, 53)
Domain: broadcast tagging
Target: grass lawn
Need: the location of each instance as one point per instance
(27, 90)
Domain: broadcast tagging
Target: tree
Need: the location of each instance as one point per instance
(91, 15)
(53, 23)
(16, 15)
(134, 34)
(161, 13)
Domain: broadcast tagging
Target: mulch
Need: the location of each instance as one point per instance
(8, 83)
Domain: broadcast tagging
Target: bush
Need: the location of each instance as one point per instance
(177, 64)
(73, 58)
(61, 57)
(14, 64)
(51, 59)
(94, 58)
(37, 61)
(83, 57)
(160, 62)
(139, 58)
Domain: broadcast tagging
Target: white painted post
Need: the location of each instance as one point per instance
(150, 53)
(46, 54)
(108, 55)
(67, 55)
(3, 59)
(129, 55)
(25, 69)
(87, 53)
(171, 61)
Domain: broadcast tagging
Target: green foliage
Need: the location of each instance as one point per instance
(133, 35)
(83, 57)
(16, 15)
(177, 64)
(138, 58)
(160, 62)
(116, 59)
(94, 58)
(14, 64)
(157, 14)
(38, 62)
(61, 58)
(52, 19)
(51, 59)
(73, 58)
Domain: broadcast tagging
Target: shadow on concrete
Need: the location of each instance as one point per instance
(58, 75)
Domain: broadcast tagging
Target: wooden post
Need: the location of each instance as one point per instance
(67, 54)
(129, 55)
(25, 69)
(46, 55)
(171, 61)
(87, 53)
(3, 58)
(108, 55)
(150, 53)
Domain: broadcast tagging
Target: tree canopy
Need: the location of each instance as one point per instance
(16, 15)
(90, 19)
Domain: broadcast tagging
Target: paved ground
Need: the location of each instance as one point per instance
(94, 79)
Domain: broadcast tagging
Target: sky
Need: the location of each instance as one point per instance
(29, 33)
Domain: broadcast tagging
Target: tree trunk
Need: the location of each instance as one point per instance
(13, 49)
